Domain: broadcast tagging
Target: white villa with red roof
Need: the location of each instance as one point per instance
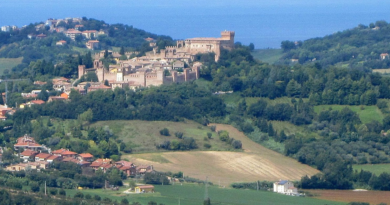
(27, 142)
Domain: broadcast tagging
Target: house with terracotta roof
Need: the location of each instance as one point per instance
(89, 34)
(42, 156)
(95, 165)
(55, 98)
(72, 33)
(27, 142)
(61, 43)
(85, 157)
(144, 189)
(92, 44)
(53, 158)
(69, 154)
(70, 159)
(37, 102)
(143, 169)
(384, 56)
(41, 36)
(58, 152)
(16, 167)
(28, 155)
(65, 95)
(100, 87)
(77, 27)
(39, 83)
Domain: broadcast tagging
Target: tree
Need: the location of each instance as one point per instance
(122, 51)
(43, 95)
(124, 201)
(251, 46)
(86, 116)
(164, 132)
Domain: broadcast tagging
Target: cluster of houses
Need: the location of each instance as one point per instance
(37, 157)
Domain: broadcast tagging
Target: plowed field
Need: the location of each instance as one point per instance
(255, 163)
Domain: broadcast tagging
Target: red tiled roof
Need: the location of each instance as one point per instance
(124, 163)
(59, 151)
(83, 163)
(106, 166)
(124, 168)
(28, 152)
(96, 164)
(67, 152)
(39, 102)
(86, 155)
(70, 159)
(43, 155)
(52, 157)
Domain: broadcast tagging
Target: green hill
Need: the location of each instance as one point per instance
(359, 47)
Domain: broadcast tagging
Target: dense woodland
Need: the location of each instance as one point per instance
(335, 139)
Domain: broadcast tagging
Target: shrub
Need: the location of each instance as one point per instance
(34, 186)
(213, 128)
(179, 135)
(53, 191)
(127, 149)
(205, 138)
(88, 196)
(237, 144)
(207, 145)
(107, 200)
(62, 192)
(124, 202)
(164, 132)
(79, 195)
(223, 135)
(209, 135)
(97, 197)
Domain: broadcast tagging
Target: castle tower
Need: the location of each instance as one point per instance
(228, 35)
(180, 44)
(81, 70)
(100, 74)
(160, 76)
(186, 74)
(174, 76)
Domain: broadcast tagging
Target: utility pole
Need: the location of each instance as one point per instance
(206, 193)
(6, 88)
(45, 189)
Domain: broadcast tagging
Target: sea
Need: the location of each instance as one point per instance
(262, 22)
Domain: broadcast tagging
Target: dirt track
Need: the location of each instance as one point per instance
(255, 163)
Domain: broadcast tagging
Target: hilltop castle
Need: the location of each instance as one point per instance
(150, 69)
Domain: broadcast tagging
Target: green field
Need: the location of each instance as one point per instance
(267, 55)
(374, 168)
(367, 114)
(9, 63)
(144, 135)
(193, 194)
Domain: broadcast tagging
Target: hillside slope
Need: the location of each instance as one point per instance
(255, 163)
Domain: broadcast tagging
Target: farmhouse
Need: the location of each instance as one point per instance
(144, 189)
(285, 187)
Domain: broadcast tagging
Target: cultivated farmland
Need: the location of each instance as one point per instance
(255, 163)
(372, 197)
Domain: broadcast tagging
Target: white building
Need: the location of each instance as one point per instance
(285, 187)
(5, 28)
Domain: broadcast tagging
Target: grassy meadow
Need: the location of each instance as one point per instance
(366, 113)
(193, 194)
(267, 55)
(144, 135)
(374, 168)
(9, 63)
